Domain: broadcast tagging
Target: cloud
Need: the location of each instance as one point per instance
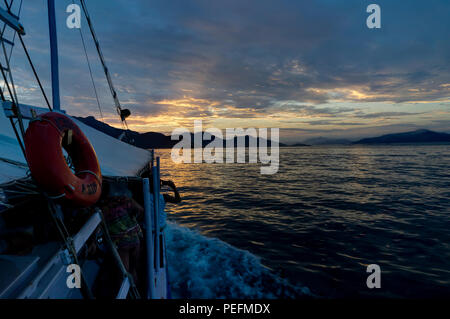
(386, 115)
(175, 61)
(333, 123)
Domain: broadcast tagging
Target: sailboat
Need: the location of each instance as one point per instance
(41, 148)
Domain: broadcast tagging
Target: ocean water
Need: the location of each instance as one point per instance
(312, 228)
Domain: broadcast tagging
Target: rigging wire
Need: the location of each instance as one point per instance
(102, 60)
(53, 208)
(14, 100)
(8, 68)
(8, 56)
(8, 6)
(12, 95)
(90, 73)
(14, 34)
(35, 73)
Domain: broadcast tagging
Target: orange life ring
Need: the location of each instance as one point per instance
(45, 139)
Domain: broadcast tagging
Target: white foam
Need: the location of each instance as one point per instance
(202, 267)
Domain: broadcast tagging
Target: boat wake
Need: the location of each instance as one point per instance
(202, 267)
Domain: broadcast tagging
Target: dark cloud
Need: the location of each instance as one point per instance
(334, 123)
(250, 57)
(386, 115)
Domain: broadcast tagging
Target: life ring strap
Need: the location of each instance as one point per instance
(41, 119)
(90, 172)
(57, 196)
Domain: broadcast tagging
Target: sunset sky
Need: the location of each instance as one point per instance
(310, 68)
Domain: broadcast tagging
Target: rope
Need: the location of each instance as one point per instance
(12, 93)
(6, 160)
(14, 35)
(41, 119)
(57, 196)
(19, 116)
(68, 241)
(133, 290)
(8, 57)
(9, 67)
(8, 6)
(34, 72)
(102, 60)
(90, 172)
(53, 208)
(19, 189)
(90, 71)
(13, 97)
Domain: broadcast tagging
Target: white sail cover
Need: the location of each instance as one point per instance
(116, 158)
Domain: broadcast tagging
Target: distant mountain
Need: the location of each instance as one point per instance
(142, 140)
(254, 140)
(299, 144)
(152, 139)
(326, 141)
(419, 136)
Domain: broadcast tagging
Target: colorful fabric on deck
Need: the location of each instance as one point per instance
(120, 215)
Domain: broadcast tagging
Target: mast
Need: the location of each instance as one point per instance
(54, 54)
